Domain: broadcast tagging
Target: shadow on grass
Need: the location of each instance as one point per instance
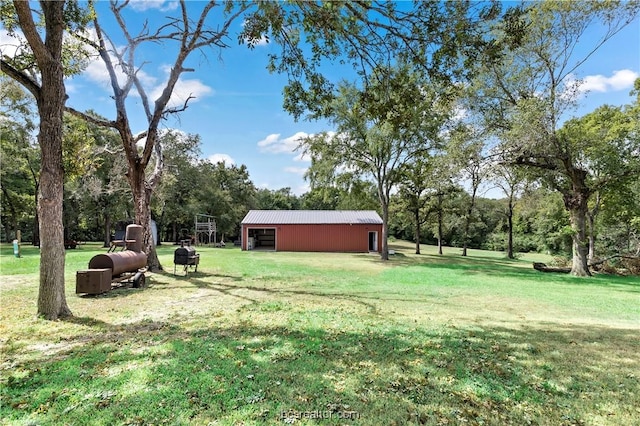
(193, 275)
(87, 322)
(232, 291)
(162, 373)
(475, 266)
(504, 267)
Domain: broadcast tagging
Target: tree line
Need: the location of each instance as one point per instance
(522, 214)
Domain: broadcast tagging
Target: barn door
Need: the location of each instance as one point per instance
(373, 241)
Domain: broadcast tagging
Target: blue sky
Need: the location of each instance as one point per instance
(238, 112)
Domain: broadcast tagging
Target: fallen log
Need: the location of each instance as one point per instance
(542, 267)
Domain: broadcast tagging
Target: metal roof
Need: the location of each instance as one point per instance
(308, 217)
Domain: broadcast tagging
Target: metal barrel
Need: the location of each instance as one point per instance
(123, 261)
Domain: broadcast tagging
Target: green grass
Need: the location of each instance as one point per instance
(276, 338)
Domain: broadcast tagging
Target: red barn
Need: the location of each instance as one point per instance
(357, 231)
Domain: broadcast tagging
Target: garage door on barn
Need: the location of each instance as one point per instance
(312, 230)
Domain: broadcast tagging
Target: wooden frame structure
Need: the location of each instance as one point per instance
(205, 225)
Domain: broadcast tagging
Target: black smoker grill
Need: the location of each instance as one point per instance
(185, 256)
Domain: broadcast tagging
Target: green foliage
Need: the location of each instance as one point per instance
(75, 55)
(96, 190)
(191, 186)
(227, 193)
(279, 199)
(20, 159)
(442, 41)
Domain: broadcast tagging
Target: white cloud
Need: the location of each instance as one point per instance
(296, 170)
(275, 145)
(161, 5)
(621, 79)
(96, 71)
(182, 90)
(11, 44)
(221, 158)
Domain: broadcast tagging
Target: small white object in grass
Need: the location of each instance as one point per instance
(392, 252)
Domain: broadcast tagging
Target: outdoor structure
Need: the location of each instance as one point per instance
(357, 231)
(205, 229)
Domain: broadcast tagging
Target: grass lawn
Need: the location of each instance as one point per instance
(281, 338)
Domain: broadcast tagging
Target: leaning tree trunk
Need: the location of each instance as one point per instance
(576, 203)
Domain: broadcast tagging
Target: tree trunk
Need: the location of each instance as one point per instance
(142, 201)
(416, 216)
(385, 230)
(464, 242)
(510, 230)
(576, 203)
(467, 222)
(465, 237)
(440, 226)
(36, 230)
(592, 216)
(52, 302)
(592, 238)
(107, 230)
(36, 219)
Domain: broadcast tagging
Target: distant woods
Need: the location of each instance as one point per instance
(97, 198)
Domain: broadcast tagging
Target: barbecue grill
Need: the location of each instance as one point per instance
(115, 268)
(186, 256)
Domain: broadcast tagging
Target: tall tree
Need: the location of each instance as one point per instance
(526, 93)
(279, 199)
(182, 178)
(45, 50)
(607, 151)
(184, 34)
(378, 129)
(465, 148)
(511, 181)
(413, 187)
